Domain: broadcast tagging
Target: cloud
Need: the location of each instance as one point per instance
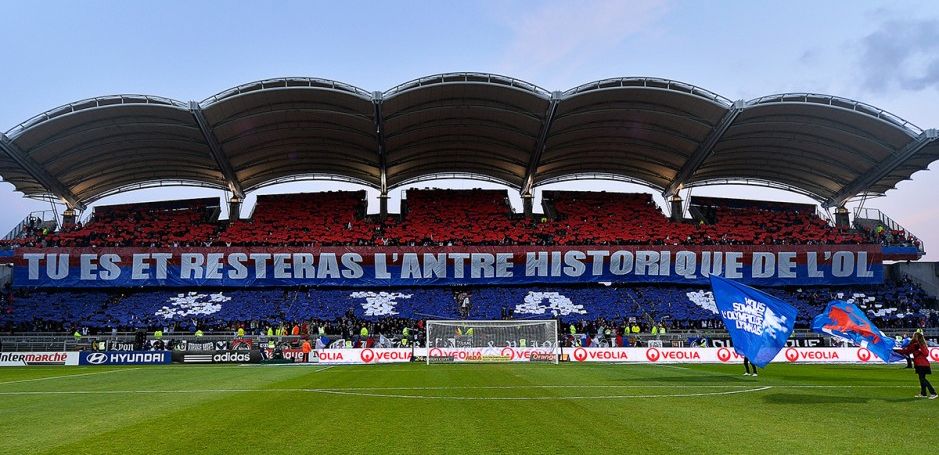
(810, 57)
(901, 54)
(554, 35)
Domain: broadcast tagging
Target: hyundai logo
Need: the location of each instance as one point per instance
(96, 358)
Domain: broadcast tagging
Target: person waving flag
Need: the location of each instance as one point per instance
(846, 321)
(758, 323)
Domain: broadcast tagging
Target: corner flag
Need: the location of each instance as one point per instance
(757, 322)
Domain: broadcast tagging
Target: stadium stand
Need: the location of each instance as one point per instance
(311, 219)
(166, 224)
(454, 217)
(440, 217)
(893, 304)
(737, 221)
(881, 229)
(609, 218)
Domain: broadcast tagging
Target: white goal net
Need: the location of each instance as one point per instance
(492, 341)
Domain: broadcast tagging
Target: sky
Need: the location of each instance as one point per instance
(882, 53)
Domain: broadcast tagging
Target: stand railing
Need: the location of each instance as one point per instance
(35, 219)
(888, 223)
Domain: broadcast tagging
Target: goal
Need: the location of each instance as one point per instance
(492, 341)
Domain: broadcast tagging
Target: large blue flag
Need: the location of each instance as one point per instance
(758, 323)
(846, 321)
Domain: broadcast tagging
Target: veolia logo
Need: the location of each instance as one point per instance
(580, 354)
(934, 354)
(723, 354)
(508, 352)
(435, 352)
(367, 355)
(792, 355)
(863, 354)
(653, 354)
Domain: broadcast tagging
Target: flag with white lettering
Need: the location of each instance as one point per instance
(757, 322)
(846, 321)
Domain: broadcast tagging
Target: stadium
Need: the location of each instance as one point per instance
(514, 326)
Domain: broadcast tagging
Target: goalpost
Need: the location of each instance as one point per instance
(492, 341)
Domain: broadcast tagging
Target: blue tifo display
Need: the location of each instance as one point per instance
(892, 304)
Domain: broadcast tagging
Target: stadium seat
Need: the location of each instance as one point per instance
(457, 217)
(159, 224)
(454, 217)
(306, 219)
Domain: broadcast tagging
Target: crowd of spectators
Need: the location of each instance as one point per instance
(445, 218)
(457, 217)
(589, 218)
(891, 237)
(762, 226)
(184, 223)
(344, 311)
(306, 219)
(439, 218)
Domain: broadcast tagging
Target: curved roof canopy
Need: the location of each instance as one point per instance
(661, 133)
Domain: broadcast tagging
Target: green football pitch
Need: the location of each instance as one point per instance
(465, 409)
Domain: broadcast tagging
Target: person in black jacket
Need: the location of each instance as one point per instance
(746, 365)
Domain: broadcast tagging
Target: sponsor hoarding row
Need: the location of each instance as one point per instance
(22, 359)
(722, 355)
(625, 355)
(378, 356)
(364, 356)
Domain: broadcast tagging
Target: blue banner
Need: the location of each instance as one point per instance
(846, 321)
(125, 358)
(758, 323)
(762, 265)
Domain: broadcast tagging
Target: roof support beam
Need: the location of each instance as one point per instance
(50, 183)
(380, 133)
(234, 185)
(882, 169)
(529, 181)
(704, 149)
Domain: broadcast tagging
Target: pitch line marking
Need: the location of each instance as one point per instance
(67, 376)
(346, 392)
(505, 387)
(370, 391)
(601, 397)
